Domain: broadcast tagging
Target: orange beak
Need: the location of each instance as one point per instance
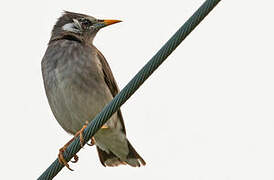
(110, 21)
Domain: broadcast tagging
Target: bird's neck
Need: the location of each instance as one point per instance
(67, 36)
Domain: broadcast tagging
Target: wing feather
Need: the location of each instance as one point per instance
(111, 83)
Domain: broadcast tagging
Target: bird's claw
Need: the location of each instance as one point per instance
(61, 158)
(75, 157)
(92, 142)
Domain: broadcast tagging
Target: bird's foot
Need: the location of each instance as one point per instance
(104, 127)
(75, 157)
(62, 159)
(80, 134)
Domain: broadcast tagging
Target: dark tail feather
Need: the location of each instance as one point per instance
(134, 155)
(110, 159)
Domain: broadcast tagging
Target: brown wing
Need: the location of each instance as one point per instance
(111, 83)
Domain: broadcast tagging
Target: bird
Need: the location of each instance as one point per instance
(78, 83)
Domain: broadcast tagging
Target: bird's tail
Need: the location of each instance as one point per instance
(110, 159)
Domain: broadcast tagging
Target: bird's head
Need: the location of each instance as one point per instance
(79, 27)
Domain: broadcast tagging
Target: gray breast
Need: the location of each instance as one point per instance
(74, 83)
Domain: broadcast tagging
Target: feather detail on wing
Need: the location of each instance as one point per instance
(111, 83)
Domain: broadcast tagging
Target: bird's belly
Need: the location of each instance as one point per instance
(74, 103)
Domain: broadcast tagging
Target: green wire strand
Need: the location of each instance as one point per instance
(132, 86)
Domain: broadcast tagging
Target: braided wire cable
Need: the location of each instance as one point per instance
(132, 86)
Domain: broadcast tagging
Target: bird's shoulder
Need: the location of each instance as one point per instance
(108, 75)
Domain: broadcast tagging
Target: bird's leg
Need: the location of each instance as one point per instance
(62, 150)
(80, 134)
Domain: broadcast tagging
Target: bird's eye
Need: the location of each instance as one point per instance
(85, 22)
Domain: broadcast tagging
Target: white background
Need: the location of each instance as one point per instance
(206, 113)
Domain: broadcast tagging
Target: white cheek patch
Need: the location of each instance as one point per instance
(71, 28)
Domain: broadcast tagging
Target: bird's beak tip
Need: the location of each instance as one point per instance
(111, 21)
